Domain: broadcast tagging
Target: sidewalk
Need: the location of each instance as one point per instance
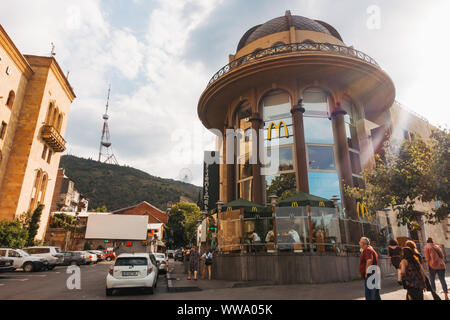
(225, 290)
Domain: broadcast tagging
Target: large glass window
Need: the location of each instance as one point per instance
(322, 173)
(321, 158)
(278, 142)
(244, 152)
(292, 229)
(324, 184)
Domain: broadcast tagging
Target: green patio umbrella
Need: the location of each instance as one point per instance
(249, 207)
(304, 199)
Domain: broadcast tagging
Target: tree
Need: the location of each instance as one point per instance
(101, 209)
(12, 234)
(181, 228)
(33, 226)
(175, 228)
(410, 172)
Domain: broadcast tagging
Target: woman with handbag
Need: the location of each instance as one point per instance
(395, 257)
(413, 275)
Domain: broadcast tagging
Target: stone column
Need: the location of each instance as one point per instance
(257, 123)
(300, 147)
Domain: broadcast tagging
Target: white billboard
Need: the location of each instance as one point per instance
(117, 227)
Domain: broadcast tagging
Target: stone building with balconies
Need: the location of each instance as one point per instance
(35, 97)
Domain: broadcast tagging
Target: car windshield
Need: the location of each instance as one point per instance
(58, 250)
(22, 253)
(131, 261)
(160, 256)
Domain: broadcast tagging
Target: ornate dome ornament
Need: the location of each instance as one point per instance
(284, 23)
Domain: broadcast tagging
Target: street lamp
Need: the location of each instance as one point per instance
(273, 200)
(219, 205)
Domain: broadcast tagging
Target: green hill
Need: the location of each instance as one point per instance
(119, 187)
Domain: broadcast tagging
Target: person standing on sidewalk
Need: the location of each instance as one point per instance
(395, 257)
(194, 261)
(368, 258)
(413, 275)
(436, 265)
(208, 256)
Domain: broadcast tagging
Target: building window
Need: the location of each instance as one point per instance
(44, 152)
(322, 173)
(278, 142)
(352, 136)
(3, 130)
(49, 118)
(10, 100)
(244, 152)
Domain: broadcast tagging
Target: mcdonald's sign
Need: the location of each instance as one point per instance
(362, 210)
(278, 128)
(294, 204)
(229, 209)
(321, 204)
(254, 209)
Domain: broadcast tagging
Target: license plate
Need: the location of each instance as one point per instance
(130, 273)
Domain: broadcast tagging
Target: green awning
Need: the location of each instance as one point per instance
(304, 199)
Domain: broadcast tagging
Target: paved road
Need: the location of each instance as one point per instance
(51, 285)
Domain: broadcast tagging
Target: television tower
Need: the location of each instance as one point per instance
(106, 154)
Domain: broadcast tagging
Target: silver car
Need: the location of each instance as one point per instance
(52, 254)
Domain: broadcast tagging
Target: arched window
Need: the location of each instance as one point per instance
(43, 189)
(279, 141)
(59, 124)
(36, 190)
(55, 117)
(49, 117)
(322, 171)
(244, 152)
(10, 100)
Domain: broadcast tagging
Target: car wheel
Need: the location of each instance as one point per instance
(109, 292)
(51, 267)
(28, 267)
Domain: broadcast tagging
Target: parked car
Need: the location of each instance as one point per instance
(72, 258)
(86, 256)
(132, 271)
(23, 260)
(178, 255)
(110, 255)
(6, 265)
(52, 254)
(170, 253)
(100, 256)
(163, 262)
(92, 257)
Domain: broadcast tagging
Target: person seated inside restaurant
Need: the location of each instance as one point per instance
(254, 240)
(294, 238)
(270, 240)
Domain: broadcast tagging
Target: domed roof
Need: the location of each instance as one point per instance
(284, 23)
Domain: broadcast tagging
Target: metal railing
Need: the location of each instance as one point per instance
(293, 47)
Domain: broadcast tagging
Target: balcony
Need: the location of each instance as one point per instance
(301, 48)
(53, 138)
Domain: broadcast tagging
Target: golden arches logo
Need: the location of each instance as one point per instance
(229, 209)
(321, 204)
(278, 128)
(254, 209)
(294, 204)
(362, 210)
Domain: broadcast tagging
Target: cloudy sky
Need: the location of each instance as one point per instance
(158, 56)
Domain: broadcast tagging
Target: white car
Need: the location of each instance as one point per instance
(136, 270)
(52, 254)
(23, 260)
(163, 262)
(92, 257)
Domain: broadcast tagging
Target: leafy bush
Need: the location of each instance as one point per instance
(12, 234)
